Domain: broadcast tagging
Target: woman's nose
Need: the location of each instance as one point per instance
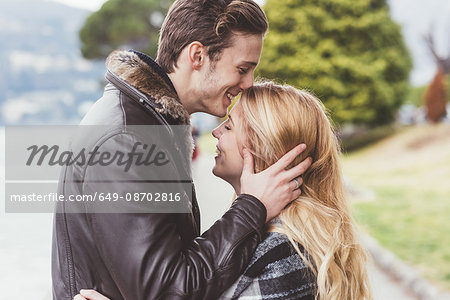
(216, 132)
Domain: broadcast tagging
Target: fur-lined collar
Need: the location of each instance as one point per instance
(144, 74)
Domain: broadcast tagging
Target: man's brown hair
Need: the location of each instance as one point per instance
(211, 22)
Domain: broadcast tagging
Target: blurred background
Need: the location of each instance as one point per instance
(382, 69)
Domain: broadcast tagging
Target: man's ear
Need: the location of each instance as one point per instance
(196, 54)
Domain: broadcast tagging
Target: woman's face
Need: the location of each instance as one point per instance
(229, 159)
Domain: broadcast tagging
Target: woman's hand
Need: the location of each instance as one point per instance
(89, 295)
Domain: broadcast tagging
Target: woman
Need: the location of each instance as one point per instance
(311, 250)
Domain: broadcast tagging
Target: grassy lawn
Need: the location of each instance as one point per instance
(410, 213)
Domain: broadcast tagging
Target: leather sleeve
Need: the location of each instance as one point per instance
(145, 253)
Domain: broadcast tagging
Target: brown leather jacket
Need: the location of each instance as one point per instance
(146, 255)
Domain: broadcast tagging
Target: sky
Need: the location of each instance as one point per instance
(415, 16)
(96, 4)
(92, 5)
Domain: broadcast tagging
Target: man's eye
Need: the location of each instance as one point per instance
(227, 127)
(243, 71)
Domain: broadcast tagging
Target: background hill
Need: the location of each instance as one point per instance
(43, 77)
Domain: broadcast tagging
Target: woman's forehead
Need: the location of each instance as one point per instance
(236, 110)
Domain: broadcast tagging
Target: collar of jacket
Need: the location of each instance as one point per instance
(146, 76)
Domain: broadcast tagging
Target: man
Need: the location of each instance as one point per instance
(208, 51)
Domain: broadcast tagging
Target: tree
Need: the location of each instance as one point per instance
(349, 53)
(123, 24)
(435, 98)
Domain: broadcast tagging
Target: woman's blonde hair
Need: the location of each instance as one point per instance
(277, 118)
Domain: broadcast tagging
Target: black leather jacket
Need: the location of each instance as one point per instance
(145, 255)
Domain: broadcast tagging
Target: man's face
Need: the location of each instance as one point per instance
(224, 79)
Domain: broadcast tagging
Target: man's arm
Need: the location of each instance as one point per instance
(146, 258)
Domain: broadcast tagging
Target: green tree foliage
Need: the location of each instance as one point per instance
(349, 53)
(123, 23)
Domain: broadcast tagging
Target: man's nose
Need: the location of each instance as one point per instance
(247, 82)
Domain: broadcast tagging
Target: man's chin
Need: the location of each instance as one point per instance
(222, 113)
